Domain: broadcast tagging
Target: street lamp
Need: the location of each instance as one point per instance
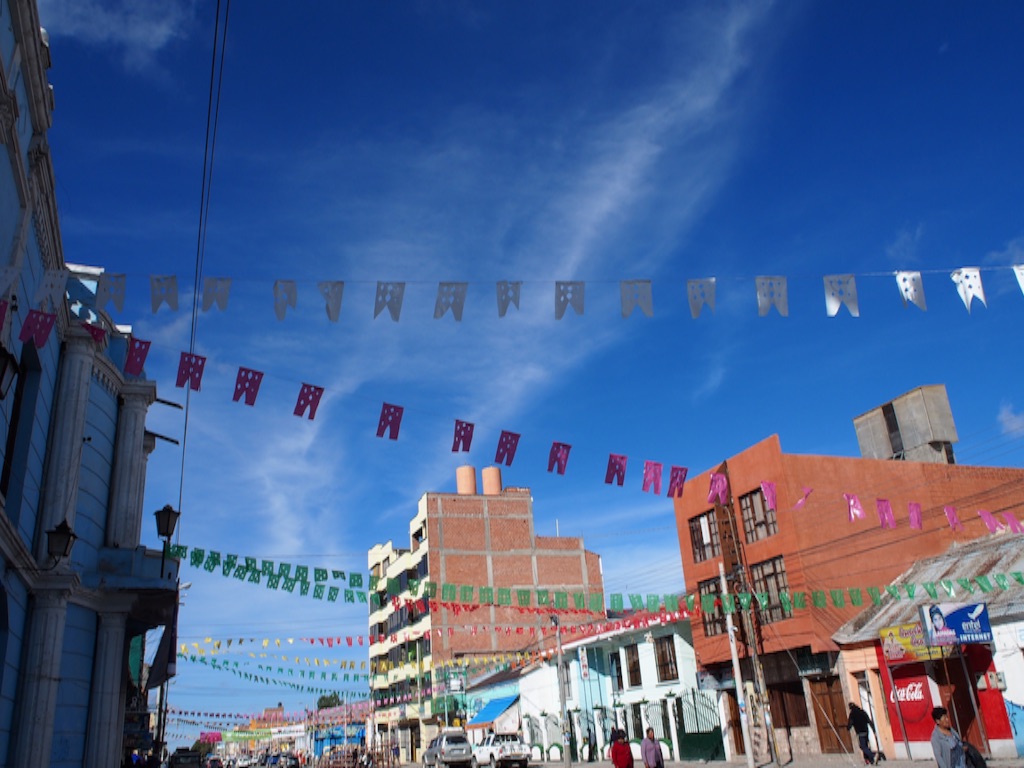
(566, 757)
(59, 542)
(166, 520)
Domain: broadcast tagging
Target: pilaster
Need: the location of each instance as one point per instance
(64, 453)
(106, 723)
(41, 672)
(128, 477)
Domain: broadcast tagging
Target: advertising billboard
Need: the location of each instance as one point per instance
(905, 643)
(956, 623)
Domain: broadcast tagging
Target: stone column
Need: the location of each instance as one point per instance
(128, 476)
(67, 430)
(106, 721)
(44, 647)
(599, 723)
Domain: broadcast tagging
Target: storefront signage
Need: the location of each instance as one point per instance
(905, 643)
(956, 623)
(911, 693)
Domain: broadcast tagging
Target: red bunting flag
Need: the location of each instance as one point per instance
(559, 456)
(97, 333)
(37, 327)
(247, 384)
(914, 511)
(1012, 521)
(616, 469)
(463, 436)
(190, 371)
(676, 482)
(507, 444)
(652, 477)
(309, 397)
(136, 359)
(390, 420)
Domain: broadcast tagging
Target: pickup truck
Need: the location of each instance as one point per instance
(501, 749)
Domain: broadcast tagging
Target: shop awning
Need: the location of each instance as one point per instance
(491, 712)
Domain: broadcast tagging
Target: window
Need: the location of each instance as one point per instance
(633, 665)
(758, 521)
(616, 664)
(704, 537)
(788, 705)
(714, 620)
(665, 656)
(770, 577)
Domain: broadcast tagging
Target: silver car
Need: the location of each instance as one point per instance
(452, 749)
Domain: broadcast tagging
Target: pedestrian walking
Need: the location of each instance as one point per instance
(861, 724)
(650, 751)
(622, 756)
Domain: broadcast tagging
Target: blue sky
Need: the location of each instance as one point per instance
(597, 141)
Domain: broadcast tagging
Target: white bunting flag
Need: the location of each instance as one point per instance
(701, 292)
(215, 291)
(568, 294)
(285, 295)
(110, 288)
(163, 289)
(911, 288)
(508, 293)
(636, 293)
(450, 296)
(1018, 270)
(841, 290)
(332, 291)
(772, 291)
(968, 285)
(389, 295)
(51, 289)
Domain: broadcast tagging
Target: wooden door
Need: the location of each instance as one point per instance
(830, 716)
(735, 726)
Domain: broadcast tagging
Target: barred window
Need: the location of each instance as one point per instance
(758, 521)
(770, 577)
(633, 666)
(704, 537)
(714, 620)
(665, 656)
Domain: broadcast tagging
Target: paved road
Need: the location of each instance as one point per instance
(809, 761)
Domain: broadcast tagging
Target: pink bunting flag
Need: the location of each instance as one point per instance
(954, 521)
(136, 359)
(390, 420)
(616, 469)
(309, 397)
(719, 488)
(507, 444)
(676, 482)
(768, 489)
(559, 456)
(463, 436)
(803, 499)
(914, 510)
(190, 370)
(993, 525)
(1012, 521)
(885, 516)
(37, 327)
(97, 333)
(247, 384)
(855, 508)
(652, 477)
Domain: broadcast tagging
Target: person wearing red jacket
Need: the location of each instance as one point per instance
(621, 754)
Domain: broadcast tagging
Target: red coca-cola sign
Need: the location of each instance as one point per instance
(914, 698)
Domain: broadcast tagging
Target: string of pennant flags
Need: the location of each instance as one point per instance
(353, 709)
(770, 291)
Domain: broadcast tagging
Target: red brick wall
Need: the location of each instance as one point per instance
(821, 548)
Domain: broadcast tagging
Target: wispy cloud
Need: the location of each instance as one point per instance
(904, 249)
(140, 29)
(1010, 421)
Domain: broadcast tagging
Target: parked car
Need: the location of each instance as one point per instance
(452, 749)
(430, 753)
(501, 749)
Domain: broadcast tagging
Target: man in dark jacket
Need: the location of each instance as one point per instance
(861, 724)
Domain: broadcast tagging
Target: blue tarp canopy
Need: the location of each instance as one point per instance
(494, 709)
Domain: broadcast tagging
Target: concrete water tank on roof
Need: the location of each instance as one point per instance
(916, 426)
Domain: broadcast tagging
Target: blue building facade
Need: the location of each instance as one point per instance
(74, 447)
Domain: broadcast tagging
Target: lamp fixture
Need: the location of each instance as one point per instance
(59, 541)
(166, 520)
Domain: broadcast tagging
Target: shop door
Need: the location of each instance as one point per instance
(735, 726)
(830, 716)
(955, 695)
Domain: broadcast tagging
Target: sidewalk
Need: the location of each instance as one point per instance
(803, 761)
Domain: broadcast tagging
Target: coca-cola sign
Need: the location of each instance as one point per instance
(913, 697)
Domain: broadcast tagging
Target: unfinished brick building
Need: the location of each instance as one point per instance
(483, 556)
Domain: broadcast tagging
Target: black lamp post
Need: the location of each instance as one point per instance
(166, 520)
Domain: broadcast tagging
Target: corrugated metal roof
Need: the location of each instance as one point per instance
(492, 711)
(998, 553)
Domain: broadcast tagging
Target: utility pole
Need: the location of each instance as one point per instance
(737, 674)
(566, 757)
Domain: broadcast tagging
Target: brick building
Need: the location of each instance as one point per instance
(809, 544)
(482, 558)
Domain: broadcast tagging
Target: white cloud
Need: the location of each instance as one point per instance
(903, 250)
(1010, 421)
(138, 28)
